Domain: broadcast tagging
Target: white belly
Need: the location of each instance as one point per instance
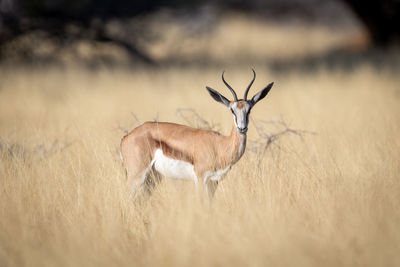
(173, 168)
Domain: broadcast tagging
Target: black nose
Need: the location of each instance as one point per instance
(242, 130)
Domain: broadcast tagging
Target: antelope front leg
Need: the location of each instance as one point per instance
(211, 187)
(141, 187)
(206, 186)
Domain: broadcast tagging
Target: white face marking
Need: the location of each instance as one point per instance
(120, 156)
(173, 168)
(241, 116)
(215, 175)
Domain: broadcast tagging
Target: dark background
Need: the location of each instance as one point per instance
(67, 21)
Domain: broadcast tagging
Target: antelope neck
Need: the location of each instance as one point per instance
(237, 142)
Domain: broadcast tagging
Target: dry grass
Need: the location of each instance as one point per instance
(330, 199)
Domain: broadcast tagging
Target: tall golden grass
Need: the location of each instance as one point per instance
(328, 199)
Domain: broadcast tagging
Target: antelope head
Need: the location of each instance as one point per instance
(240, 108)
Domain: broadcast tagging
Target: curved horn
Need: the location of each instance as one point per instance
(251, 83)
(230, 88)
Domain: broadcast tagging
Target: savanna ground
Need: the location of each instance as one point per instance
(329, 197)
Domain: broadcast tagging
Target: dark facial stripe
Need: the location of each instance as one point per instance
(234, 115)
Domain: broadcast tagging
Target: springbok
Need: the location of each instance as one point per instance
(181, 152)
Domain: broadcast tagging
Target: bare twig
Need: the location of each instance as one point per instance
(13, 150)
(191, 117)
(122, 128)
(54, 147)
(155, 119)
(136, 118)
(266, 140)
(41, 150)
(126, 129)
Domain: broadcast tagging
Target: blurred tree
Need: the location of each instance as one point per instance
(382, 19)
(91, 16)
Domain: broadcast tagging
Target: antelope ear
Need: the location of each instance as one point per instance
(218, 97)
(260, 95)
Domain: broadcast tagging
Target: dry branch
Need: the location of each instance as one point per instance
(135, 123)
(278, 128)
(191, 117)
(23, 152)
